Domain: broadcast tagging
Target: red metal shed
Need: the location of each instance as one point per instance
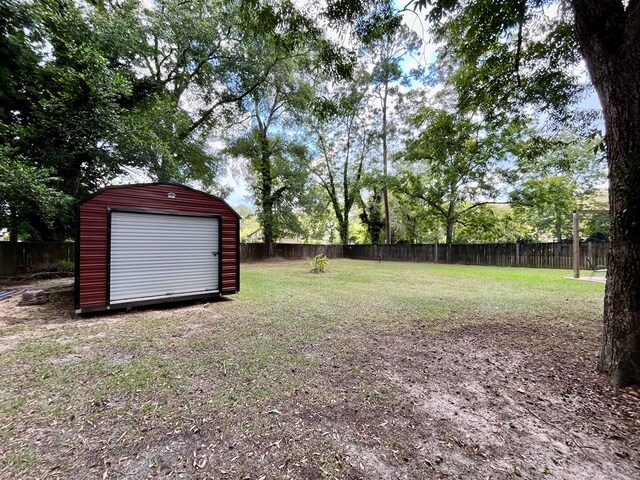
(152, 243)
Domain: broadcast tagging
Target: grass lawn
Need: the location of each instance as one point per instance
(371, 370)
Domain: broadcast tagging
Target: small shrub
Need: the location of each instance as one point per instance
(66, 265)
(320, 263)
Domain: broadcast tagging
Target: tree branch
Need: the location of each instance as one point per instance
(632, 27)
(276, 195)
(479, 204)
(523, 7)
(429, 202)
(256, 108)
(207, 113)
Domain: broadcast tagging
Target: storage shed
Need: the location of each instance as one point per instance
(153, 243)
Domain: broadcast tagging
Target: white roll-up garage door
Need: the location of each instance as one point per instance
(155, 256)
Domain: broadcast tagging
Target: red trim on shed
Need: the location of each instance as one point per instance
(91, 244)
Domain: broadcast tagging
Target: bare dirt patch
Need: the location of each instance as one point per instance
(58, 309)
(492, 401)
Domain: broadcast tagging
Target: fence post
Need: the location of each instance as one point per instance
(576, 245)
(517, 254)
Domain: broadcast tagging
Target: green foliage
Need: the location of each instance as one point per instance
(549, 203)
(453, 164)
(493, 224)
(567, 154)
(91, 90)
(277, 172)
(319, 263)
(64, 112)
(215, 69)
(317, 221)
(388, 75)
(560, 181)
(372, 216)
(94, 89)
(66, 265)
(596, 226)
(29, 198)
(249, 225)
(504, 57)
(412, 223)
(18, 61)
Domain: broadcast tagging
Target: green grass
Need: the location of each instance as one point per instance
(382, 294)
(231, 361)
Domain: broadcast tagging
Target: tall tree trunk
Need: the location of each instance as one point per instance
(266, 192)
(267, 227)
(344, 230)
(385, 160)
(610, 40)
(449, 238)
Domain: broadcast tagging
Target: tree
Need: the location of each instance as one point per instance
(18, 61)
(278, 163)
(91, 88)
(517, 57)
(411, 222)
(192, 65)
(388, 53)
(62, 106)
(28, 196)
(317, 219)
(492, 224)
(372, 215)
(597, 227)
(550, 203)
(278, 172)
(343, 141)
(452, 165)
(551, 186)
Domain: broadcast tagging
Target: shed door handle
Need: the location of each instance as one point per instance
(215, 254)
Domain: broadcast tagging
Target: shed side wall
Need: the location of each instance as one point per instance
(94, 237)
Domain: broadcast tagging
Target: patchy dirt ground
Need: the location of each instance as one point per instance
(515, 399)
(60, 293)
(503, 400)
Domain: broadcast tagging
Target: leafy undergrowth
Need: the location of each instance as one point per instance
(389, 370)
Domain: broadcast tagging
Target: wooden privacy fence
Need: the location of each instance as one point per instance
(24, 256)
(535, 255)
(292, 251)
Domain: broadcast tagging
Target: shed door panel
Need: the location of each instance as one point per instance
(159, 256)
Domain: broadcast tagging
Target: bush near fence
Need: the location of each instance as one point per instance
(25, 256)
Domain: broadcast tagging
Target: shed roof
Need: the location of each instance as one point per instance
(153, 184)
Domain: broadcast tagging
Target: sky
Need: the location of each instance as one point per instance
(240, 193)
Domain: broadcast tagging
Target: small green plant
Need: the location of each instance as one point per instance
(66, 265)
(319, 263)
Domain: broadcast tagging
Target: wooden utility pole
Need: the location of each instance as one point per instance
(576, 244)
